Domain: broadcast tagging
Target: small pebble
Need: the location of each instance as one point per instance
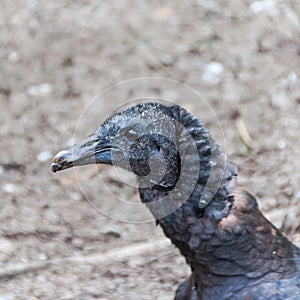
(167, 60)
(280, 99)
(7, 248)
(76, 197)
(78, 243)
(9, 188)
(42, 256)
(292, 77)
(281, 144)
(288, 81)
(41, 278)
(44, 156)
(212, 73)
(41, 90)
(23, 259)
(267, 6)
(7, 297)
(13, 57)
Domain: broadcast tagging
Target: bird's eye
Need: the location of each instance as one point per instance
(131, 134)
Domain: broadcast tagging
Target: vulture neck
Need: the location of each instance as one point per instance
(224, 242)
(227, 244)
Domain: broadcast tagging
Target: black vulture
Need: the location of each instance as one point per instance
(191, 189)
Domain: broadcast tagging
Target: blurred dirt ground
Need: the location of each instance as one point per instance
(56, 56)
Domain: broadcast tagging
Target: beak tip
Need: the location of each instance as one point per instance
(61, 161)
(55, 167)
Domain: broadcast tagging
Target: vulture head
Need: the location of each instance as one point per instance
(140, 139)
(165, 146)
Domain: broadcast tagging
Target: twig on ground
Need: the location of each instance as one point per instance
(109, 257)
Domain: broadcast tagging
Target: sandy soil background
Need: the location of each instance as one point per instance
(57, 56)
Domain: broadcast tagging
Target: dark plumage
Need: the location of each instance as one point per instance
(191, 189)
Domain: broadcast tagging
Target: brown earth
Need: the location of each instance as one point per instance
(243, 57)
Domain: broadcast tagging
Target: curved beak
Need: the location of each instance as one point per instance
(91, 150)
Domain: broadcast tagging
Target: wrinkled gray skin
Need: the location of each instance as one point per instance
(190, 188)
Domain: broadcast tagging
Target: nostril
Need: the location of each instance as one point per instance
(158, 147)
(161, 150)
(90, 143)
